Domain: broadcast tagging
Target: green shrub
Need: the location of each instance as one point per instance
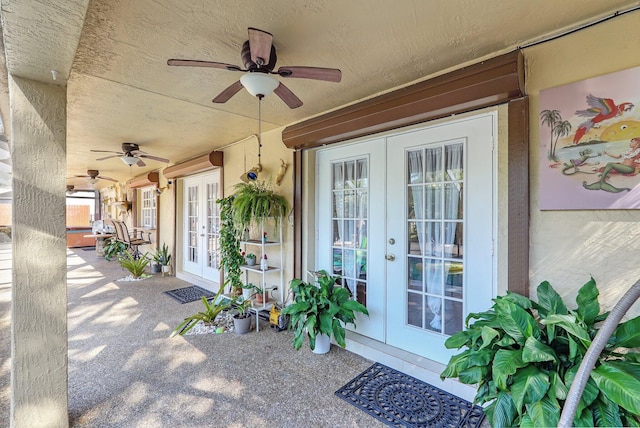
(135, 267)
(323, 309)
(113, 248)
(523, 356)
(211, 310)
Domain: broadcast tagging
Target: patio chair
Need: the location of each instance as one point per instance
(132, 240)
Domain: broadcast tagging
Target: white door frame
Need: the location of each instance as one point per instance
(209, 278)
(325, 181)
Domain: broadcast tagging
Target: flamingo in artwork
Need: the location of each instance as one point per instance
(599, 109)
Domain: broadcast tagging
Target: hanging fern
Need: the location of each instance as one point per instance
(255, 202)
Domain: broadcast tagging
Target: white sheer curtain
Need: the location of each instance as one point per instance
(350, 184)
(426, 168)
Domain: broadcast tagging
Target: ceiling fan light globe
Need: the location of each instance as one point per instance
(259, 84)
(129, 160)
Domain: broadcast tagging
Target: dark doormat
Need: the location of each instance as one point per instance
(189, 294)
(400, 400)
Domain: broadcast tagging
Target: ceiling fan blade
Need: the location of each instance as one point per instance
(106, 151)
(156, 158)
(287, 96)
(260, 45)
(316, 73)
(100, 177)
(141, 162)
(225, 95)
(81, 176)
(109, 157)
(207, 64)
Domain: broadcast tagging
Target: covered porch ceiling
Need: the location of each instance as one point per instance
(112, 55)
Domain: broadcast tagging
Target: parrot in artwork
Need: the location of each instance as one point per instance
(599, 109)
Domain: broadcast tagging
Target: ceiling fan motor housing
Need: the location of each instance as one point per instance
(129, 147)
(252, 66)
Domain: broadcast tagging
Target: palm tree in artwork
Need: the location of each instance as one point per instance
(550, 118)
(561, 129)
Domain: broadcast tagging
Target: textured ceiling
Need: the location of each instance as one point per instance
(112, 55)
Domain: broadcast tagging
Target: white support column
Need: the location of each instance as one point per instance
(39, 292)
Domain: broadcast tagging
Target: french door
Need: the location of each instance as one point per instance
(201, 226)
(408, 222)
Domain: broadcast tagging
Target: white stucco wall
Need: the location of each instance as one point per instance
(568, 246)
(39, 298)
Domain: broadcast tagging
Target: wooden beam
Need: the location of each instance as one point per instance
(195, 165)
(518, 197)
(491, 82)
(148, 179)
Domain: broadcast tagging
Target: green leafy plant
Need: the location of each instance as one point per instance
(231, 257)
(113, 248)
(134, 266)
(211, 311)
(242, 307)
(322, 309)
(162, 256)
(250, 256)
(524, 356)
(255, 202)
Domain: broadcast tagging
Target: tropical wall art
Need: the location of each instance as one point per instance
(590, 143)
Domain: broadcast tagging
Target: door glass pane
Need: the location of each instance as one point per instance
(414, 309)
(349, 224)
(193, 213)
(213, 227)
(435, 276)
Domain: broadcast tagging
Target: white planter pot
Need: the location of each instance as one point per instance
(323, 344)
(166, 268)
(246, 293)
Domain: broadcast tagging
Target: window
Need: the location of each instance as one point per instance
(82, 209)
(148, 211)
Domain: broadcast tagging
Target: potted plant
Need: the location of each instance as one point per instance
(134, 266)
(164, 258)
(231, 258)
(255, 202)
(250, 259)
(156, 267)
(113, 248)
(524, 356)
(249, 290)
(321, 311)
(262, 296)
(242, 319)
(211, 311)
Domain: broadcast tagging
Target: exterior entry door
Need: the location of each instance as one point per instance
(201, 249)
(408, 222)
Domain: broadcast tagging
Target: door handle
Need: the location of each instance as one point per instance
(390, 257)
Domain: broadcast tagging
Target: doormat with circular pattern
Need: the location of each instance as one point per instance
(400, 400)
(189, 294)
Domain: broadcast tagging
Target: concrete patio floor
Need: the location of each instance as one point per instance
(125, 371)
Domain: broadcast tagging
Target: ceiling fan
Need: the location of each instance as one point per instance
(131, 155)
(259, 58)
(93, 175)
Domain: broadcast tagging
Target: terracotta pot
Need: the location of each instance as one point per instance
(262, 298)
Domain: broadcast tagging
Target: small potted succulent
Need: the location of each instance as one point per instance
(164, 258)
(250, 259)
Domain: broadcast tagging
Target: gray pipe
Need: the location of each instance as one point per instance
(592, 354)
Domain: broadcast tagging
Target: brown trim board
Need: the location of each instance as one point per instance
(492, 82)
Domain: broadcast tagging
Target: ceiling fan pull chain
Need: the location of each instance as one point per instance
(259, 127)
